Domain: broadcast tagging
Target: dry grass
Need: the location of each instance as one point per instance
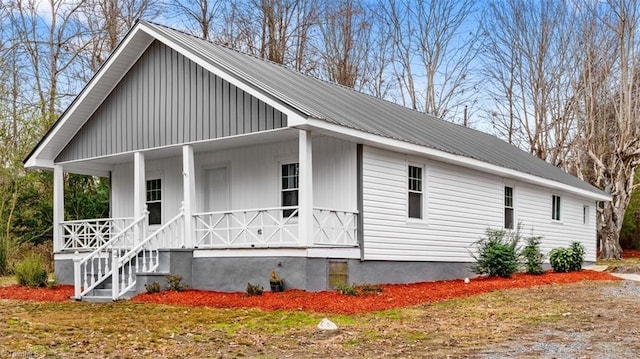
(7, 280)
(462, 327)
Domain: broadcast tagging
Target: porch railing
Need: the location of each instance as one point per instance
(93, 269)
(334, 227)
(265, 227)
(144, 256)
(92, 233)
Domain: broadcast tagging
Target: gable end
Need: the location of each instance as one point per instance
(166, 99)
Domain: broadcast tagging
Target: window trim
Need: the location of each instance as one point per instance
(512, 207)
(556, 210)
(281, 163)
(585, 214)
(423, 192)
(161, 200)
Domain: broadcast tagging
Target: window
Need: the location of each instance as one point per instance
(555, 207)
(154, 201)
(508, 207)
(415, 192)
(585, 214)
(289, 188)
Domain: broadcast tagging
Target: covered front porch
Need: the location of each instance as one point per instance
(279, 191)
(255, 192)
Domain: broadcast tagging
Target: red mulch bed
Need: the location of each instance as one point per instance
(392, 296)
(630, 253)
(59, 294)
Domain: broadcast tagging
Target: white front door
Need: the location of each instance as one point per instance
(217, 190)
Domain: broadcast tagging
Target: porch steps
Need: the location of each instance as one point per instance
(103, 292)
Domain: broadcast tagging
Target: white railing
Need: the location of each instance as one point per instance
(145, 256)
(93, 269)
(334, 227)
(91, 233)
(266, 227)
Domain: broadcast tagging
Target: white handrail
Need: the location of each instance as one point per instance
(100, 263)
(144, 256)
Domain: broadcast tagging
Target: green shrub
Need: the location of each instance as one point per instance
(567, 259)
(348, 289)
(174, 282)
(577, 256)
(532, 256)
(253, 290)
(153, 287)
(31, 271)
(497, 253)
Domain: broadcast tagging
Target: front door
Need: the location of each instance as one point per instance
(217, 190)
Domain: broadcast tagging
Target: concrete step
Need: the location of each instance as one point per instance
(100, 296)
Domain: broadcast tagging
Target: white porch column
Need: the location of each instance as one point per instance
(58, 207)
(305, 188)
(189, 190)
(139, 192)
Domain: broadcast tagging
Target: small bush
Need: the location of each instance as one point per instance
(52, 282)
(31, 271)
(532, 256)
(577, 256)
(497, 253)
(174, 282)
(253, 290)
(348, 289)
(567, 259)
(369, 289)
(153, 287)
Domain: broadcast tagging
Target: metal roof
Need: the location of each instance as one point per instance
(346, 107)
(307, 96)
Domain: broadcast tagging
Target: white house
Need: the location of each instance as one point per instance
(225, 167)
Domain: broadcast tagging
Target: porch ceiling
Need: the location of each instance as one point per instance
(102, 165)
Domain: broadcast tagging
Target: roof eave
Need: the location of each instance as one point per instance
(394, 144)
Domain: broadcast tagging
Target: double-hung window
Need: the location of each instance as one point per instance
(555, 207)
(289, 181)
(508, 207)
(154, 201)
(415, 188)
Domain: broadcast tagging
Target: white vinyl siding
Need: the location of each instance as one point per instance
(447, 230)
(253, 176)
(462, 204)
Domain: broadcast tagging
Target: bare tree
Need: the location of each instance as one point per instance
(433, 54)
(346, 37)
(106, 22)
(200, 14)
(530, 65)
(610, 129)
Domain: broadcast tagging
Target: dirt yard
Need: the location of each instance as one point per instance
(583, 320)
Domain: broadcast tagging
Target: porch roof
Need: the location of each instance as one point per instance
(309, 100)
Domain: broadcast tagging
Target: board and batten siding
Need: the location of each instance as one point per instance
(459, 205)
(166, 99)
(254, 176)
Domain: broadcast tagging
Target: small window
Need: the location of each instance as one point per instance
(585, 214)
(415, 192)
(555, 207)
(508, 207)
(290, 188)
(154, 201)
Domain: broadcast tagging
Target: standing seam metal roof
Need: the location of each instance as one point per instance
(346, 107)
